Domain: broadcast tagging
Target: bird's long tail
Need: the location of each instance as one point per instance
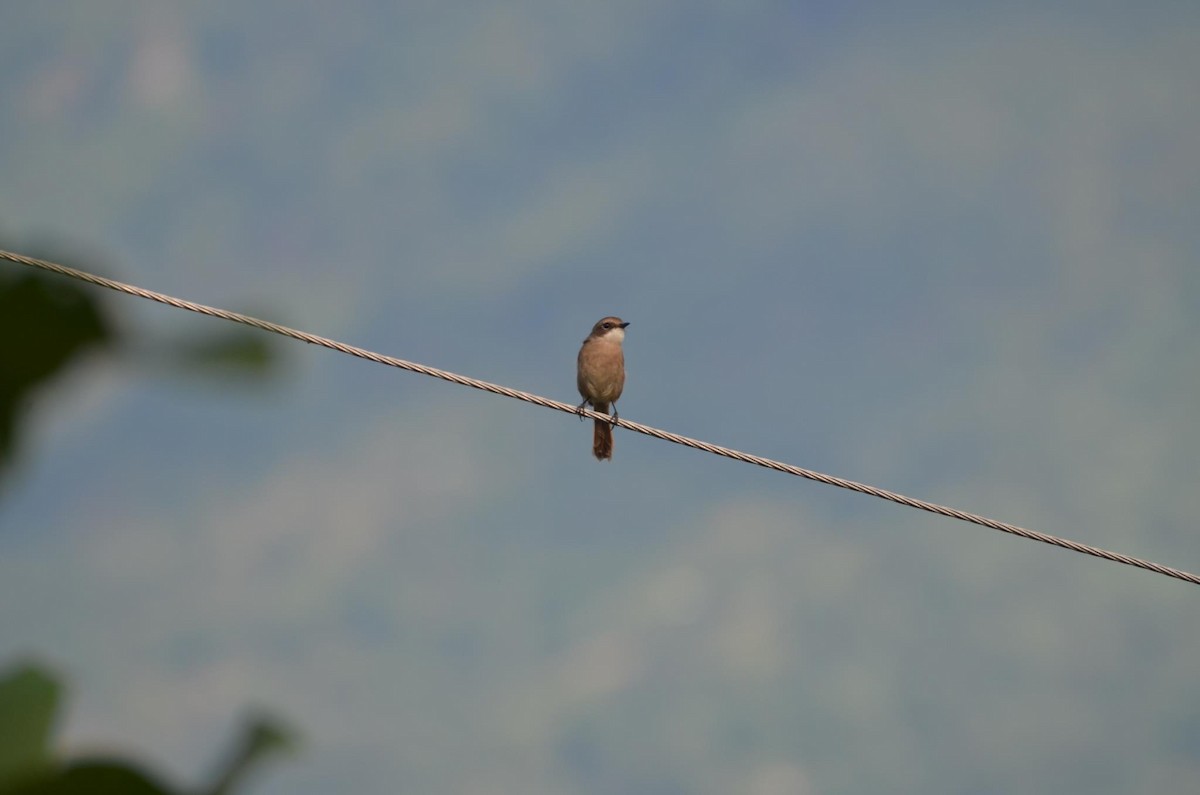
(602, 440)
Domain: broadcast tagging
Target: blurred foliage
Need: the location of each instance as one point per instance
(234, 352)
(29, 701)
(49, 323)
(46, 323)
(263, 737)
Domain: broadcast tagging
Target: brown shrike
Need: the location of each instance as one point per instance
(601, 377)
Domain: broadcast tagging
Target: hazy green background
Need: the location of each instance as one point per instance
(949, 249)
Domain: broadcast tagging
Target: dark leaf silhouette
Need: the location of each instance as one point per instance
(45, 323)
(96, 777)
(29, 699)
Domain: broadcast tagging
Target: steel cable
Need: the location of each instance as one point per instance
(538, 400)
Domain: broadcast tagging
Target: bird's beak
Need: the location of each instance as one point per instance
(626, 323)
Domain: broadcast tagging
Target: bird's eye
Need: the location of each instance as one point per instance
(608, 325)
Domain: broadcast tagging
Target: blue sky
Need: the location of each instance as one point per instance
(947, 250)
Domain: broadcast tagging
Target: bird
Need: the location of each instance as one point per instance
(601, 378)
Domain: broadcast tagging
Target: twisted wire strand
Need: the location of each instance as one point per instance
(637, 427)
